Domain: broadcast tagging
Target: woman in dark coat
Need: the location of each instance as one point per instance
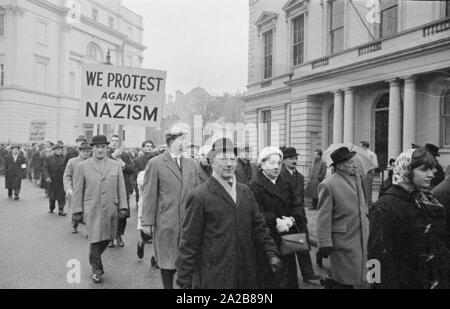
(408, 229)
(281, 208)
(14, 171)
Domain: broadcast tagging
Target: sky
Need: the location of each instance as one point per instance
(198, 42)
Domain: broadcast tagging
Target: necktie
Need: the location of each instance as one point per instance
(230, 183)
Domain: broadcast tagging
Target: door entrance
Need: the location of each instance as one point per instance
(382, 131)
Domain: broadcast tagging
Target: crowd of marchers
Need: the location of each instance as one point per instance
(218, 219)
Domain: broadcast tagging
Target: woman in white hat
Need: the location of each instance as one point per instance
(281, 208)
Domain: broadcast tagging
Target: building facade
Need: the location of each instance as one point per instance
(43, 44)
(326, 72)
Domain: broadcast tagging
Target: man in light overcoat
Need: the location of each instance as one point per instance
(169, 179)
(99, 195)
(342, 224)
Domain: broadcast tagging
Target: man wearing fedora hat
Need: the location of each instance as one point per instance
(15, 167)
(53, 171)
(72, 165)
(342, 223)
(99, 196)
(168, 180)
(439, 176)
(223, 230)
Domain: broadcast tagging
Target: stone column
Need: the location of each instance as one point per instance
(395, 119)
(409, 113)
(349, 118)
(338, 117)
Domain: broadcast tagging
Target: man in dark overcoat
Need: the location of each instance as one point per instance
(222, 230)
(53, 170)
(245, 169)
(15, 168)
(290, 174)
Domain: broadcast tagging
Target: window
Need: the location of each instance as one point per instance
(72, 82)
(447, 8)
(2, 75)
(268, 52)
(41, 32)
(446, 119)
(94, 14)
(2, 24)
(111, 22)
(389, 18)
(330, 125)
(336, 26)
(266, 128)
(129, 61)
(88, 131)
(130, 33)
(299, 38)
(92, 53)
(40, 76)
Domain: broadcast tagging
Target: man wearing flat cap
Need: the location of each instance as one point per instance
(222, 230)
(342, 223)
(15, 167)
(72, 165)
(99, 196)
(168, 180)
(53, 171)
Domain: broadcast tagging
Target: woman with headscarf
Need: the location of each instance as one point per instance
(281, 208)
(408, 230)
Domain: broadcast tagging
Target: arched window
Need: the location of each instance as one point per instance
(445, 123)
(72, 82)
(94, 53)
(330, 125)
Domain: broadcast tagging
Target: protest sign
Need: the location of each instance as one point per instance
(122, 95)
(37, 131)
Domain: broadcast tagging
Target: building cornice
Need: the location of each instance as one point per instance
(394, 56)
(267, 93)
(118, 14)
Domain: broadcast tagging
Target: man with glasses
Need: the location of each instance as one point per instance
(223, 229)
(342, 224)
(168, 180)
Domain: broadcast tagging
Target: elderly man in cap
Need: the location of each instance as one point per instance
(100, 197)
(15, 168)
(53, 171)
(74, 152)
(439, 176)
(168, 180)
(342, 224)
(72, 165)
(223, 230)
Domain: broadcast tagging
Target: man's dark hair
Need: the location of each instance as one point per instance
(319, 152)
(365, 143)
(148, 142)
(172, 137)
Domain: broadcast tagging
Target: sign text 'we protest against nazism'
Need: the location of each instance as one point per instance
(122, 95)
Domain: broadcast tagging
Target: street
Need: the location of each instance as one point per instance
(36, 247)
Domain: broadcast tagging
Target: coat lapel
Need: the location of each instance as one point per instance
(269, 186)
(172, 166)
(95, 166)
(217, 188)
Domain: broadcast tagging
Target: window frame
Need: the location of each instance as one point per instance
(266, 56)
(111, 21)
(94, 16)
(330, 125)
(265, 137)
(3, 25)
(44, 80)
(294, 44)
(92, 48)
(443, 117)
(2, 74)
(382, 10)
(332, 31)
(45, 23)
(446, 8)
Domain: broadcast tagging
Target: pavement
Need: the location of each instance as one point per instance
(37, 250)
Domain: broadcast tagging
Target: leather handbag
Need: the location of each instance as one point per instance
(293, 243)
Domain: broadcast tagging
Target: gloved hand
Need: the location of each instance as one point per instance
(282, 226)
(324, 252)
(77, 217)
(69, 193)
(275, 264)
(289, 221)
(48, 180)
(123, 213)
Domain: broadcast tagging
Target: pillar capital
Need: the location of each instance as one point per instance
(410, 79)
(349, 90)
(337, 91)
(394, 82)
